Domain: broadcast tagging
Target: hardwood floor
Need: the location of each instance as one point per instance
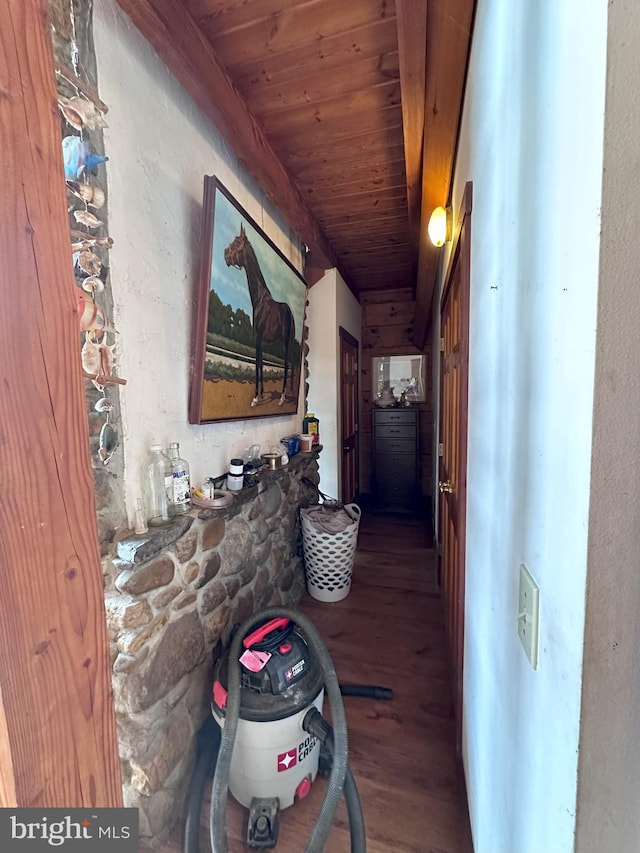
(388, 631)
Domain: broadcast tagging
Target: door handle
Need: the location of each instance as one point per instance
(445, 486)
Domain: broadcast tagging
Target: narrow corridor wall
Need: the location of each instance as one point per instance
(331, 305)
(531, 142)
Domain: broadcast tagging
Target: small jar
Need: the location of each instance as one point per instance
(235, 477)
(306, 442)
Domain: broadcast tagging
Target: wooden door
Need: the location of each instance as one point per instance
(348, 416)
(454, 364)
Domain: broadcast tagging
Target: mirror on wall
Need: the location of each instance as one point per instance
(401, 373)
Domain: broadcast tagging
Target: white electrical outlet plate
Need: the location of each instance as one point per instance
(528, 615)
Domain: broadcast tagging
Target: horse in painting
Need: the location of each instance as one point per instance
(272, 321)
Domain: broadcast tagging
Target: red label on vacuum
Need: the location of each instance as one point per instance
(287, 760)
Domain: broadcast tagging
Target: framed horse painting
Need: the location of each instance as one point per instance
(249, 319)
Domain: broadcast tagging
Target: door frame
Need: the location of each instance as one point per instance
(58, 738)
(345, 336)
(460, 254)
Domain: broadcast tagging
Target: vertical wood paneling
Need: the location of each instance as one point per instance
(57, 728)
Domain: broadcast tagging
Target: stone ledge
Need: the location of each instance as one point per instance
(137, 549)
(267, 478)
(140, 548)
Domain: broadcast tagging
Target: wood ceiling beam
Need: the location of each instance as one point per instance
(449, 31)
(412, 46)
(177, 39)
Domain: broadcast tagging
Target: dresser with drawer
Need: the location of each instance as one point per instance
(395, 459)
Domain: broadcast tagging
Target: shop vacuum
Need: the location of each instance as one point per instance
(266, 737)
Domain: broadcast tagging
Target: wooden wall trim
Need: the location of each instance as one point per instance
(449, 32)
(465, 210)
(412, 49)
(58, 743)
(175, 35)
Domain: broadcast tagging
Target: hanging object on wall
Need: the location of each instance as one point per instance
(84, 217)
(84, 112)
(104, 404)
(93, 284)
(78, 157)
(100, 381)
(84, 241)
(81, 113)
(91, 316)
(81, 86)
(81, 244)
(98, 357)
(88, 193)
(108, 441)
(89, 262)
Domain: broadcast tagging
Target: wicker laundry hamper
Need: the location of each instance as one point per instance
(328, 557)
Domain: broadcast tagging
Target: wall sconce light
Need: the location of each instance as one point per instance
(439, 228)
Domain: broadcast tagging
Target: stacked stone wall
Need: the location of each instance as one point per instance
(171, 595)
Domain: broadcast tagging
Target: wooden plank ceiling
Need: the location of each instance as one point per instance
(324, 101)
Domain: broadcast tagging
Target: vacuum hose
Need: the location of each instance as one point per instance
(208, 746)
(367, 691)
(315, 724)
(322, 827)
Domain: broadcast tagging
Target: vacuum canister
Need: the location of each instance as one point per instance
(272, 756)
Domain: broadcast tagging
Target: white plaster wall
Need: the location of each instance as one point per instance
(323, 391)
(160, 146)
(331, 305)
(609, 769)
(531, 141)
(349, 316)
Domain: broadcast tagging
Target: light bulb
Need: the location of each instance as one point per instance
(437, 228)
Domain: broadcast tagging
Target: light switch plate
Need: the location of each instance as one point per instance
(528, 615)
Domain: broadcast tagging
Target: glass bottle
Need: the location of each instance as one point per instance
(141, 519)
(311, 426)
(181, 481)
(157, 487)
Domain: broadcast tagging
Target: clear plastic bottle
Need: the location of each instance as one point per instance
(181, 481)
(157, 486)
